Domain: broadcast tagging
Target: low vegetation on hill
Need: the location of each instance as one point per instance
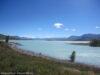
(3, 37)
(17, 62)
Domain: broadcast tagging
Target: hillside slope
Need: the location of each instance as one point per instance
(2, 37)
(13, 61)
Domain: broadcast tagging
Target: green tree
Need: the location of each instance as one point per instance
(7, 39)
(72, 57)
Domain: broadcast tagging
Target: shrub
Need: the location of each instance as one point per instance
(72, 57)
(7, 39)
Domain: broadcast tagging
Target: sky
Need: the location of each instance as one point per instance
(49, 18)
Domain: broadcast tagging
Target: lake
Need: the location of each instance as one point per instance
(62, 50)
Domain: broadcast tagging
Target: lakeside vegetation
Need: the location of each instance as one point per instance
(13, 61)
(95, 43)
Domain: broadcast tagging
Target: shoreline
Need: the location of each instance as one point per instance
(84, 44)
(30, 53)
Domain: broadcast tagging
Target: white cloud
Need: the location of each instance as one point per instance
(28, 36)
(97, 27)
(67, 29)
(73, 29)
(58, 25)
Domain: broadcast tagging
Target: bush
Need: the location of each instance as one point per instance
(7, 39)
(95, 43)
(72, 57)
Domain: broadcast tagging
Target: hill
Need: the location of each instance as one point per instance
(2, 37)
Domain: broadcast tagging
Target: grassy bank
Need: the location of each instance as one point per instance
(15, 61)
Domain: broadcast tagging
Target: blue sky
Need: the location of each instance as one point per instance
(49, 18)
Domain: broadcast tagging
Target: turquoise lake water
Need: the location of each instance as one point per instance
(62, 50)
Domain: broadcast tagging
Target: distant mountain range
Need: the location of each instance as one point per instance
(84, 37)
(73, 38)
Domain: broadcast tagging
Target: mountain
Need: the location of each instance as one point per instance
(73, 38)
(2, 37)
(55, 39)
(23, 38)
(84, 37)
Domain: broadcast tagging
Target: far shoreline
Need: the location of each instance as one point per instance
(84, 44)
